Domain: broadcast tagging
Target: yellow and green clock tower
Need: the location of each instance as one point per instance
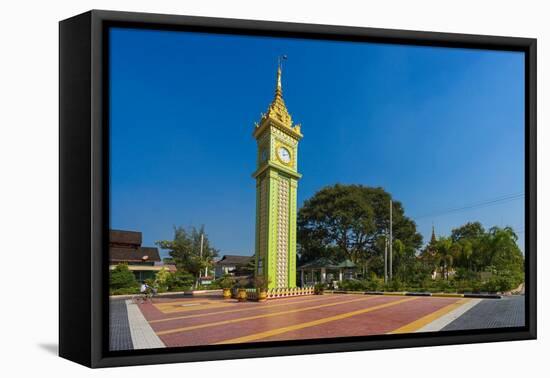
(277, 178)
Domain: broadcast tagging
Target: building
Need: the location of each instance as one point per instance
(125, 248)
(324, 270)
(231, 264)
(276, 188)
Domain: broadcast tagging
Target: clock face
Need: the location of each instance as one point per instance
(263, 155)
(284, 155)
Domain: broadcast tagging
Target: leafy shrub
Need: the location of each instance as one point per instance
(352, 285)
(121, 277)
(162, 278)
(125, 291)
(225, 282)
(261, 282)
(179, 281)
(499, 283)
(395, 285)
(319, 288)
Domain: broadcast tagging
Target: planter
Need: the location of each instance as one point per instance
(262, 295)
(226, 293)
(241, 295)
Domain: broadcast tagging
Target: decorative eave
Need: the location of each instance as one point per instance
(281, 168)
(294, 132)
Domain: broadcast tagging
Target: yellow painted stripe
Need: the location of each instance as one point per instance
(448, 295)
(394, 293)
(191, 307)
(419, 323)
(230, 321)
(260, 307)
(278, 331)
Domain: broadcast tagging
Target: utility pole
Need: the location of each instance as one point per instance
(391, 240)
(386, 259)
(200, 253)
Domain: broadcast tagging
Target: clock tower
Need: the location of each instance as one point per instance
(276, 188)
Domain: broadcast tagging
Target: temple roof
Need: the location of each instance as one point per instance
(346, 264)
(123, 237)
(141, 254)
(234, 260)
(321, 262)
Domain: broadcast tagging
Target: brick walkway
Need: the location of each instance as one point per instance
(176, 322)
(186, 322)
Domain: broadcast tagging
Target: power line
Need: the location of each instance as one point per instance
(476, 205)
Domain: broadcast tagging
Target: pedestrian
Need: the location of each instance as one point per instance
(143, 290)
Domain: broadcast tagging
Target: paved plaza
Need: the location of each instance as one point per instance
(178, 322)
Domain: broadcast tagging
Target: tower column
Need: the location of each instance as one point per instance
(276, 192)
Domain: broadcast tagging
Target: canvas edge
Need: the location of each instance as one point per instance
(93, 327)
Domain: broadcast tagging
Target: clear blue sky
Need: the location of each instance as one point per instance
(439, 128)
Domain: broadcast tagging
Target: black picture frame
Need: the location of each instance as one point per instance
(84, 187)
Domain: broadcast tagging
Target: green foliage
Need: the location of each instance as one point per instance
(179, 281)
(353, 285)
(243, 283)
(161, 278)
(121, 278)
(261, 282)
(125, 291)
(351, 222)
(185, 250)
(225, 282)
(319, 288)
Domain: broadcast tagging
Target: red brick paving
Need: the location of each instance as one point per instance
(373, 323)
(376, 322)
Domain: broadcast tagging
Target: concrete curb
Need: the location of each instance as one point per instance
(170, 294)
(483, 296)
(428, 294)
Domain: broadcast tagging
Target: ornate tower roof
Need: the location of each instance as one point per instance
(433, 239)
(277, 110)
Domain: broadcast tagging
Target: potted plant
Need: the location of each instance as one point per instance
(226, 282)
(261, 284)
(319, 289)
(241, 290)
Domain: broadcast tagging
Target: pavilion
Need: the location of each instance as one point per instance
(322, 270)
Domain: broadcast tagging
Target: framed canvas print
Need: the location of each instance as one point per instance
(234, 188)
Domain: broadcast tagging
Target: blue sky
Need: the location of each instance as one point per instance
(439, 128)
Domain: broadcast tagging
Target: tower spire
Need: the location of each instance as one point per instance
(433, 240)
(277, 109)
(280, 59)
(279, 87)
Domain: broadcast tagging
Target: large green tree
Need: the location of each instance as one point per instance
(352, 222)
(185, 250)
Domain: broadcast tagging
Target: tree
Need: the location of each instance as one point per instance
(162, 278)
(445, 255)
(471, 249)
(503, 254)
(468, 231)
(351, 222)
(185, 250)
(121, 277)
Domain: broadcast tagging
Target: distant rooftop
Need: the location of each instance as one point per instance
(234, 260)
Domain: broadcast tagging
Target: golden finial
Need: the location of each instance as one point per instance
(280, 72)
